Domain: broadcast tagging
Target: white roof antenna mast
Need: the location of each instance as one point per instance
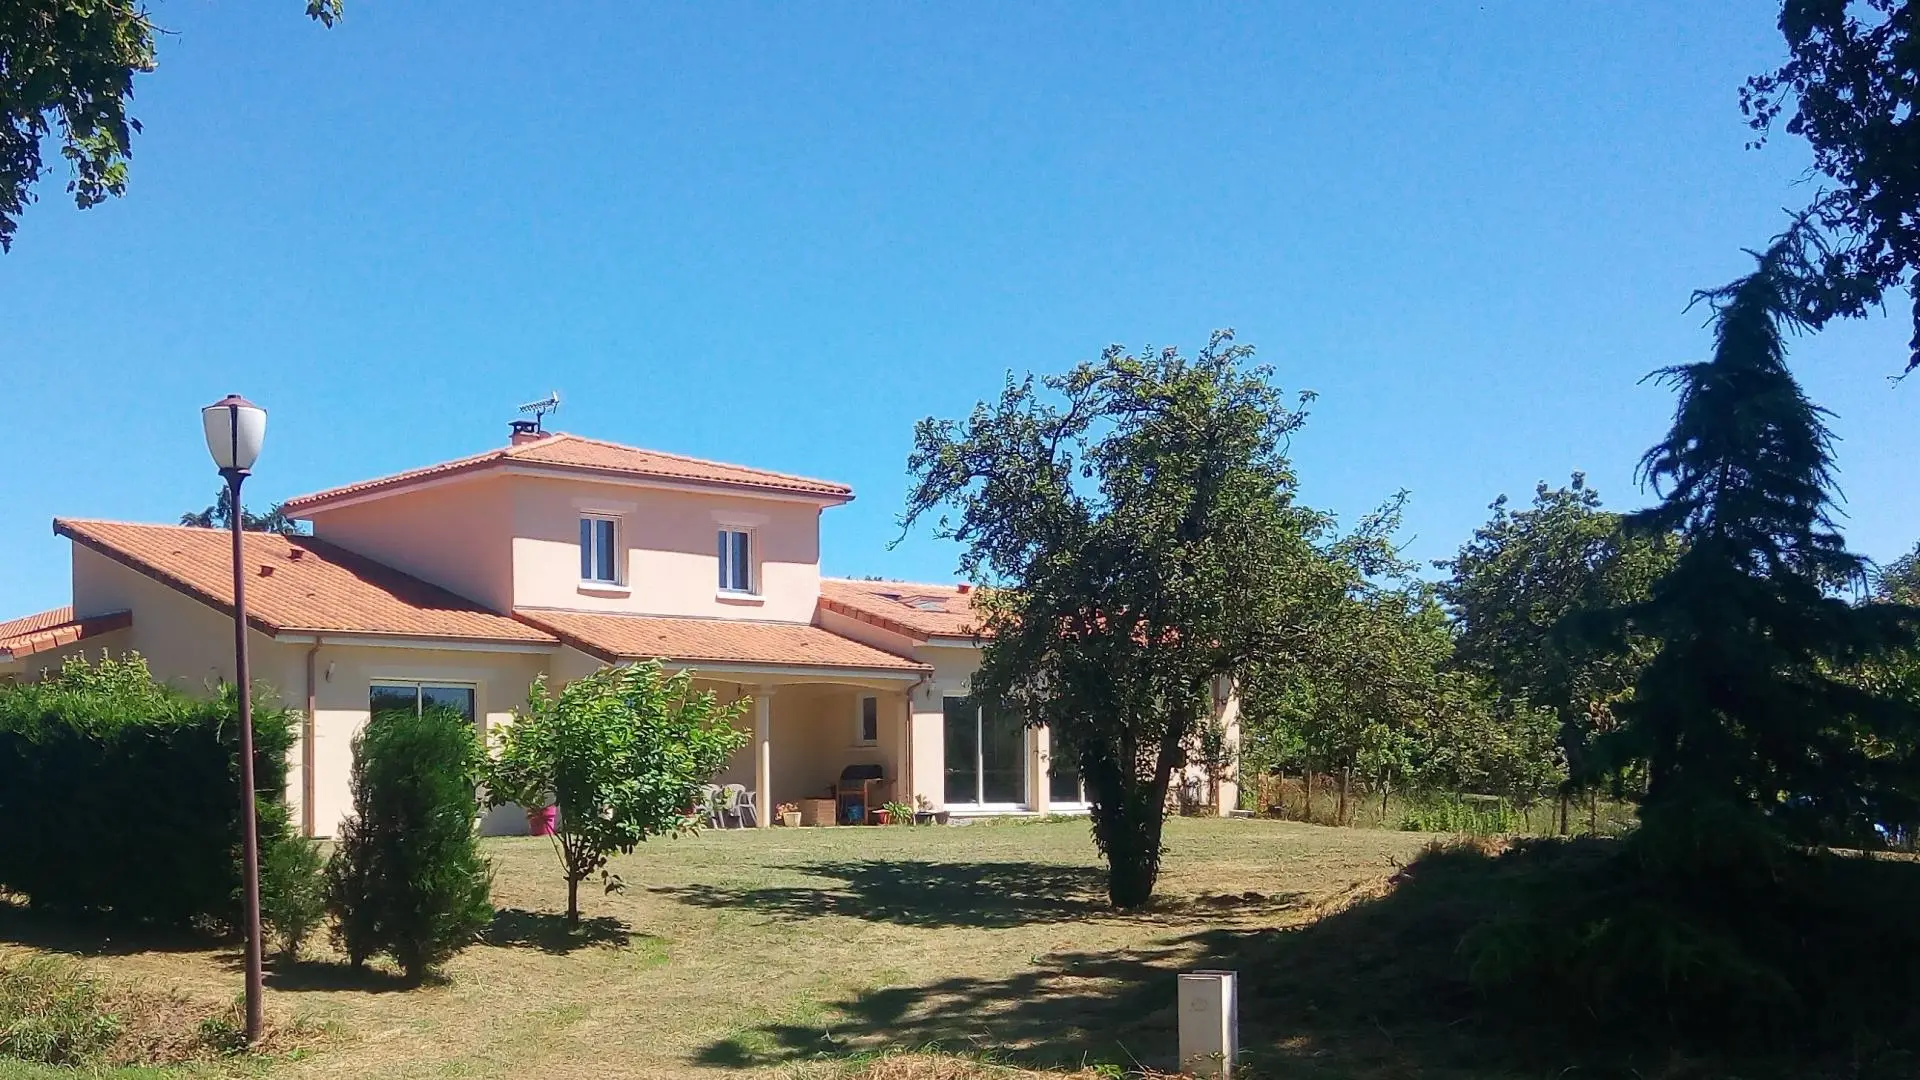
(540, 409)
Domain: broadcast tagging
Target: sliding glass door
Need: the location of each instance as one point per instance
(986, 755)
(1063, 779)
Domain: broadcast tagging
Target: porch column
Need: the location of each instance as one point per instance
(903, 785)
(763, 757)
(1039, 770)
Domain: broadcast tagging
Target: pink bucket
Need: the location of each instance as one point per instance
(541, 822)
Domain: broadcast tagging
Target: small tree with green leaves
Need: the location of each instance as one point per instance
(407, 878)
(622, 753)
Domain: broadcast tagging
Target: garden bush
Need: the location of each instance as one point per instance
(407, 878)
(293, 893)
(121, 796)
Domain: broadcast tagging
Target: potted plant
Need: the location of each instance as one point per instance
(788, 814)
(882, 816)
(525, 790)
(926, 814)
(896, 813)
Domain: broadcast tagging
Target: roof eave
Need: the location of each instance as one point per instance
(63, 634)
(303, 506)
(373, 639)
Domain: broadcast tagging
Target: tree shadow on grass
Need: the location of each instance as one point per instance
(79, 936)
(317, 975)
(517, 928)
(1376, 986)
(957, 894)
(1373, 987)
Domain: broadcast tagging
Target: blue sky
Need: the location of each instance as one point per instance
(780, 234)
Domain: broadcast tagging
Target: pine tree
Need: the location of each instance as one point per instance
(1746, 707)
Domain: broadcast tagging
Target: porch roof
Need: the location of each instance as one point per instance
(720, 642)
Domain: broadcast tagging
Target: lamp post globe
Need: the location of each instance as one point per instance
(235, 429)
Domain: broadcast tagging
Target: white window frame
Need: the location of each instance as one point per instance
(418, 686)
(1079, 803)
(860, 720)
(725, 559)
(591, 553)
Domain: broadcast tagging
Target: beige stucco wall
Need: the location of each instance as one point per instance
(458, 535)
(669, 538)
(186, 643)
(343, 675)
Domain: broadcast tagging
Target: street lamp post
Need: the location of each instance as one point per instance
(235, 428)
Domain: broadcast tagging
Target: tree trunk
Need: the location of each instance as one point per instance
(1306, 812)
(1340, 808)
(1564, 800)
(1386, 789)
(573, 901)
(1593, 813)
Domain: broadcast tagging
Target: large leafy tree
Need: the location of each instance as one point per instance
(219, 515)
(621, 752)
(1376, 696)
(1746, 705)
(1516, 592)
(68, 65)
(1851, 88)
(1138, 516)
(1898, 582)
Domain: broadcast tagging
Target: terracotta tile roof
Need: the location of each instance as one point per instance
(27, 624)
(297, 584)
(591, 457)
(918, 611)
(717, 641)
(51, 629)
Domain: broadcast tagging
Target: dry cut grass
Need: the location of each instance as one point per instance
(816, 952)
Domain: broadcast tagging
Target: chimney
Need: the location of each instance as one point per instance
(524, 431)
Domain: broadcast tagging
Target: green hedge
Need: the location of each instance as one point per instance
(120, 797)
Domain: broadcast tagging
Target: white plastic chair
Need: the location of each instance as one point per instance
(736, 805)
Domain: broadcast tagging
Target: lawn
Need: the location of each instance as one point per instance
(788, 951)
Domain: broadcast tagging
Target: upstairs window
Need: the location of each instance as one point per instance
(736, 561)
(599, 561)
(866, 730)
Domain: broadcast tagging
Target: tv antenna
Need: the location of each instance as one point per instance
(541, 408)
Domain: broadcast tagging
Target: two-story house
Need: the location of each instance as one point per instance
(459, 583)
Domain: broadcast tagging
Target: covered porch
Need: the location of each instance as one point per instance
(816, 702)
(805, 731)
